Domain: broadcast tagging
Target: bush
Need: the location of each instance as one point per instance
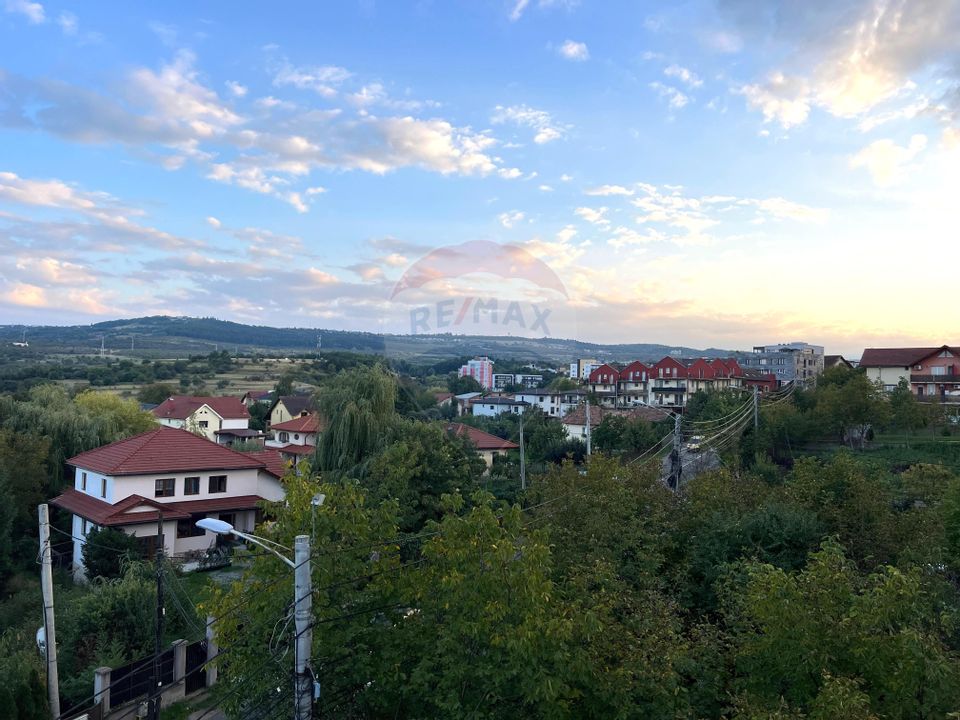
(107, 551)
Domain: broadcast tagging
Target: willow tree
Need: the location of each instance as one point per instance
(358, 406)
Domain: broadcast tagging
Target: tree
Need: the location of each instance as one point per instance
(906, 413)
(23, 482)
(465, 384)
(851, 408)
(284, 384)
(156, 393)
(107, 551)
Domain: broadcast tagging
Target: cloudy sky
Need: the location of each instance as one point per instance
(724, 172)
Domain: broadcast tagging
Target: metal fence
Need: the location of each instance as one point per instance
(135, 680)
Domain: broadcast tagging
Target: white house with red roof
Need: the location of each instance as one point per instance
(488, 446)
(129, 483)
(214, 417)
(296, 437)
(933, 372)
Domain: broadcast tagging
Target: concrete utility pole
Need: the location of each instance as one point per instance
(303, 617)
(158, 630)
(589, 429)
(49, 628)
(756, 407)
(676, 455)
(523, 461)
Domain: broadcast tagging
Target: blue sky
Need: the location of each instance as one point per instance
(707, 173)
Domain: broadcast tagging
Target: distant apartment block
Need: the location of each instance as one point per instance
(581, 369)
(480, 369)
(788, 361)
(501, 381)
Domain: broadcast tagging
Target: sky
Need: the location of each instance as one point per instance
(709, 173)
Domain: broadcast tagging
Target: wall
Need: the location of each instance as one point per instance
(239, 482)
(94, 485)
(889, 377)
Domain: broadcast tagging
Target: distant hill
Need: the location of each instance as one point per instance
(162, 335)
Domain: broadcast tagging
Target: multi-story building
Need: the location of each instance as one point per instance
(493, 406)
(480, 369)
(933, 372)
(581, 369)
(553, 403)
(131, 483)
(501, 381)
(788, 361)
(207, 416)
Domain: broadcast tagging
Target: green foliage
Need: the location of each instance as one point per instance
(107, 551)
(465, 384)
(23, 694)
(849, 405)
(156, 393)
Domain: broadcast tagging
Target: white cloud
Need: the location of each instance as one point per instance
(566, 178)
(322, 79)
(68, 23)
(674, 97)
(545, 188)
(510, 173)
(511, 218)
(781, 98)
(214, 222)
(886, 161)
(236, 88)
(518, 7)
(593, 215)
(576, 51)
(539, 120)
(684, 75)
(32, 11)
(607, 190)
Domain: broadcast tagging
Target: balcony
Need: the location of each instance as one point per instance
(674, 388)
(937, 379)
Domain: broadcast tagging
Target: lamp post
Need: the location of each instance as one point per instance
(303, 603)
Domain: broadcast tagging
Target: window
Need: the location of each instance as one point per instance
(296, 437)
(83, 481)
(103, 487)
(203, 424)
(218, 484)
(191, 486)
(284, 437)
(188, 528)
(164, 487)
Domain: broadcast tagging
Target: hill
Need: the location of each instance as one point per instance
(162, 335)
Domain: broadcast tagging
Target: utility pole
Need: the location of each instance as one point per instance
(756, 407)
(589, 429)
(103, 350)
(676, 455)
(523, 460)
(49, 629)
(158, 635)
(303, 617)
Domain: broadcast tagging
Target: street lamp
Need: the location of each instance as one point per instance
(302, 602)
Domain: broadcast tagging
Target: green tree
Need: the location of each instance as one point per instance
(284, 384)
(905, 412)
(107, 551)
(852, 408)
(465, 384)
(156, 393)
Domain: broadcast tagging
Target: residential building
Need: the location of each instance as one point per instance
(288, 407)
(480, 369)
(488, 446)
(788, 361)
(603, 382)
(129, 483)
(203, 415)
(668, 384)
(464, 400)
(764, 382)
(830, 361)
(581, 369)
(253, 397)
(501, 381)
(933, 372)
(575, 422)
(492, 406)
(296, 437)
(553, 403)
(444, 399)
(231, 436)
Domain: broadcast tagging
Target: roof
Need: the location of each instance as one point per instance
(161, 450)
(239, 432)
(180, 407)
(257, 394)
(467, 396)
(499, 401)
(293, 449)
(271, 457)
(480, 439)
(103, 513)
(295, 404)
(578, 416)
(443, 396)
(899, 357)
(302, 424)
(830, 360)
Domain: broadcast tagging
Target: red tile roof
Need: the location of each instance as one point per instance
(304, 424)
(481, 440)
(899, 357)
(578, 416)
(162, 450)
(271, 457)
(292, 449)
(103, 513)
(180, 407)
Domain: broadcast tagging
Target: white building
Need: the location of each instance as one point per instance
(480, 369)
(581, 369)
(297, 437)
(128, 483)
(554, 403)
(493, 406)
(206, 415)
(503, 380)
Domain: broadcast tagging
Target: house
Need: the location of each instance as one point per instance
(464, 400)
(603, 382)
(492, 406)
(830, 361)
(231, 436)
(788, 361)
(203, 415)
(288, 407)
(553, 403)
(668, 385)
(488, 446)
(764, 382)
(444, 399)
(933, 372)
(253, 397)
(128, 484)
(575, 422)
(480, 369)
(297, 437)
(633, 384)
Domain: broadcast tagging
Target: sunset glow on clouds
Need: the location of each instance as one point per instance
(718, 173)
